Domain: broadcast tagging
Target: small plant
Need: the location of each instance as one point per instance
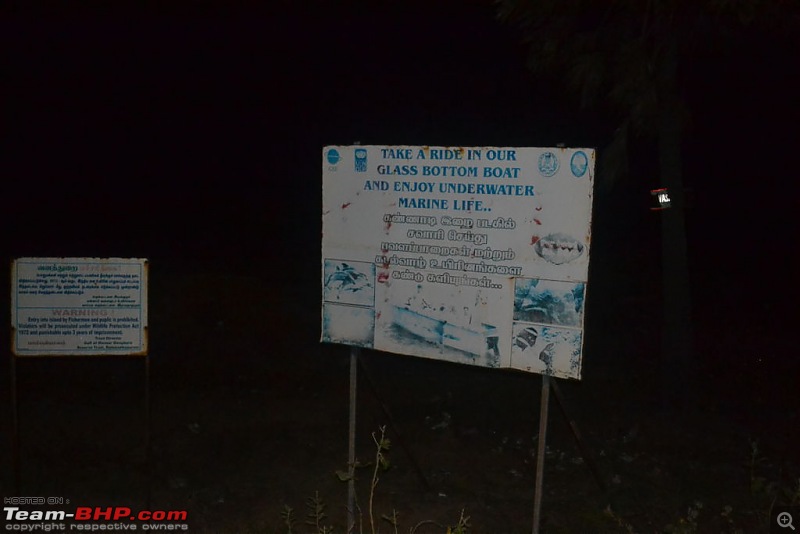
(765, 492)
(688, 524)
(758, 484)
(287, 516)
(618, 520)
(727, 518)
(460, 528)
(315, 507)
(316, 514)
(382, 446)
(462, 525)
(381, 464)
(794, 495)
(392, 519)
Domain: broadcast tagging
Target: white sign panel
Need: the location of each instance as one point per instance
(79, 306)
(472, 255)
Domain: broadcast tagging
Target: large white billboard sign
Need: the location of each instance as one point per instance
(476, 255)
(79, 306)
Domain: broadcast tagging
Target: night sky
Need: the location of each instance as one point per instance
(196, 133)
(207, 126)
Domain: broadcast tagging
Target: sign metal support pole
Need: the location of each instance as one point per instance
(351, 450)
(351, 447)
(537, 498)
(15, 449)
(147, 437)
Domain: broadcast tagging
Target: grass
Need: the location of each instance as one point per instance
(763, 492)
(317, 518)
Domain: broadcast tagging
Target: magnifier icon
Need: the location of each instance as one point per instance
(785, 520)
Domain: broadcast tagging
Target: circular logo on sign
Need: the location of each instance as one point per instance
(333, 156)
(548, 164)
(579, 163)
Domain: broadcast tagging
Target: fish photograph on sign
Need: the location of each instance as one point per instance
(348, 314)
(349, 282)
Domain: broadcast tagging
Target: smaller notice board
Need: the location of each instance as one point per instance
(475, 255)
(79, 307)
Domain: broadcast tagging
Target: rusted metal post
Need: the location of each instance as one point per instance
(351, 451)
(537, 497)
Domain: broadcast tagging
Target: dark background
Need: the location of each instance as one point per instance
(192, 135)
(149, 124)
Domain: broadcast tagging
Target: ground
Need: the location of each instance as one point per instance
(249, 414)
